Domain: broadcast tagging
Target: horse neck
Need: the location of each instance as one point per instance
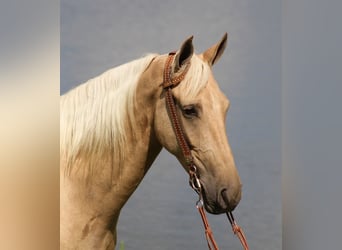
(96, 205)
(142, 144)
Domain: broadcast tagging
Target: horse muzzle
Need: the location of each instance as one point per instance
(222, 201)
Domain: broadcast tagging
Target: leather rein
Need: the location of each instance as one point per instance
(168, 84)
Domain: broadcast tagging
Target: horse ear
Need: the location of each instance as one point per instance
(183, 56)
(214, 53)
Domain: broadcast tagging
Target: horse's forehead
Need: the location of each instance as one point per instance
(214, 92)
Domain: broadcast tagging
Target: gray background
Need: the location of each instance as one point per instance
(311, 73)
(97, 35)
(311, 124)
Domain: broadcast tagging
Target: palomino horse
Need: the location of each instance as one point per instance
(113, 127)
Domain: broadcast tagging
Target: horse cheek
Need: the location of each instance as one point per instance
(164, 133)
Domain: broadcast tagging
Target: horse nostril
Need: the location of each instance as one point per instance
(230, 200)
(224, 196)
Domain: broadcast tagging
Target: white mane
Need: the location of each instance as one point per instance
(92, 116)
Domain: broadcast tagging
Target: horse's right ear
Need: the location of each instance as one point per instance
(214, 53)
(183, 56)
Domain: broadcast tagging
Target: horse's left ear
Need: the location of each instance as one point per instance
(214, 53)
(183, 56)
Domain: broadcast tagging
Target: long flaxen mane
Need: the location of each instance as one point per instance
(94, 114)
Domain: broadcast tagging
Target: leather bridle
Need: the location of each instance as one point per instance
(170, 82)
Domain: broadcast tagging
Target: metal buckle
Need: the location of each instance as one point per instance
(194, 180)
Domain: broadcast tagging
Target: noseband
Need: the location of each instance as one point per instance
(194, 181)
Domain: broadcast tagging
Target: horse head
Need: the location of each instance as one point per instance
(202, 109)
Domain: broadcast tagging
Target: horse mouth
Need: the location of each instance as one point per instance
(215, 206)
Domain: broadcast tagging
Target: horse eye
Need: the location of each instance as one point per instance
(190, 111)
